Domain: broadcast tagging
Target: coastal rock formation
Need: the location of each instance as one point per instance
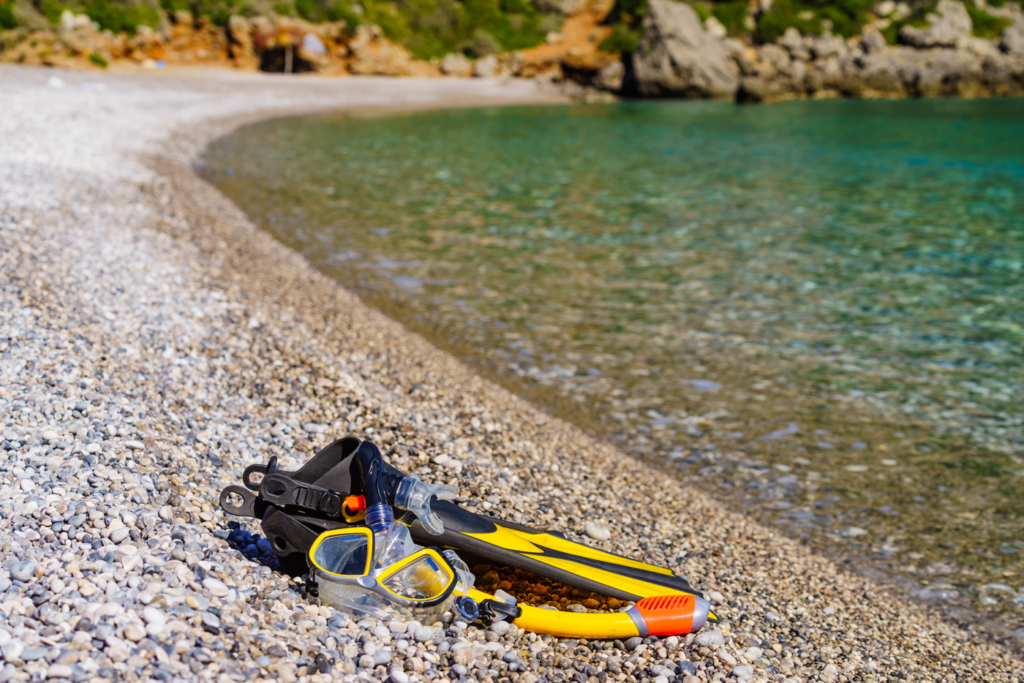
(869, 68)
(677, 58)
(949, 24)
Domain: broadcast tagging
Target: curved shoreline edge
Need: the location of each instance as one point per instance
(203, 335)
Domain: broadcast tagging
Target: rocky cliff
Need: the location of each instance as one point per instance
(678, 56)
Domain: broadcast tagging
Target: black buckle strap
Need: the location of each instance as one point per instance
(492, 610)
(280, 489)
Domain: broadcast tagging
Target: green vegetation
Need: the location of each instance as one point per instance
(433, 28)
(98, 60)
(808, 16)
(625, 19)
(7, 18)
(111, 15)
(916, 18)
(219, 12)
(623, 39)
(732, 15)
(985, 24)
(121, 17)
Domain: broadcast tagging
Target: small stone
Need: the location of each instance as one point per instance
(423, 634)
(500, 627)
(118, 535)
(712, 640)
(314, 428)
(742, 672)
(134, 632)
(830, 671)
(396, 626)
(216, 586)
(633, 643)
(59, 671)
(686, 667)
(726, 656)
(381, 657)
(23, 571)
(33, 653)
(366, 662)
(155, 621)
(661, 679)
(399, 676)
(166, 512)
(134, 445)
(27, 484)
(597, 532)
(12, 649)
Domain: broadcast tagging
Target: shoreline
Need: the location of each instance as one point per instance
(185, 307)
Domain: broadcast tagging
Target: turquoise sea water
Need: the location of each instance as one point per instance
(813, 309)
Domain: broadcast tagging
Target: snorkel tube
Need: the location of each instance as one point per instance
(670, 615)
(384, 487)
(377, 484)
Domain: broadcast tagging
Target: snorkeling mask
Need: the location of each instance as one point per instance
(385, 575)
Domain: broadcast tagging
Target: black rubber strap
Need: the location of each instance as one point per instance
(282, 490)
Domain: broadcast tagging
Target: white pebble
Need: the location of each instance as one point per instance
(597, 532)
(216, 586)
(27, 484)
(155, 621)
(59, 671)
(134, 445)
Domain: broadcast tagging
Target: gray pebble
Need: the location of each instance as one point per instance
(381, 657)
(23, 571)
(500, 627)
(686, 667)
(709, 639)
(423, 634)
(633, 643)
(33, 653)
(366, 662)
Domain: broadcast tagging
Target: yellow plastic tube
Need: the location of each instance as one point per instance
(666, 615)
(571, 624)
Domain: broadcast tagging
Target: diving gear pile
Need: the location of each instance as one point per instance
(338, 514)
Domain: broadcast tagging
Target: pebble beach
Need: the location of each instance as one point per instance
(153, 343)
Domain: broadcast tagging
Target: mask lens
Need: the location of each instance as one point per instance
(344, 554)
(422, 579)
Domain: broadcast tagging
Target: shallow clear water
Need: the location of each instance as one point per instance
(813, 309)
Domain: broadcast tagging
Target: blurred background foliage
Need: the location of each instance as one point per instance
(433, 28)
